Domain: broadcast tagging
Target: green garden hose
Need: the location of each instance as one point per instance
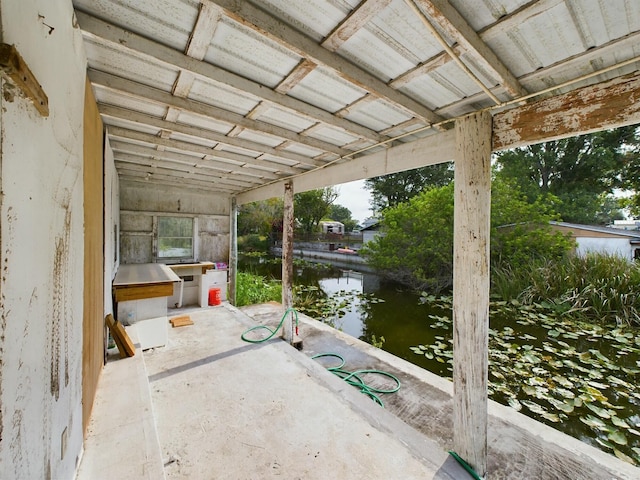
(265, 327)
(354, 378)
(465, 465)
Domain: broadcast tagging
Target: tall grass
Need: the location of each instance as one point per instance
(251, 289)
(594, 287)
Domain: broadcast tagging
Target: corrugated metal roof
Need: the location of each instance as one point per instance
(282, 86)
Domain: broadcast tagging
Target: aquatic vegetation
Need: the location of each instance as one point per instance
(314, 302)
(551, 368)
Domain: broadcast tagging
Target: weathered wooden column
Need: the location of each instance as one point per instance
(471, 288)
(233, 250)
(287, 260)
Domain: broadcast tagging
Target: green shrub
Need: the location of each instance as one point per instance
(252, 289)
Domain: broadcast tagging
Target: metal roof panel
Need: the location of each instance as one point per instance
(240, 50)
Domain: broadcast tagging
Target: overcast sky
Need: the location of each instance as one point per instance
(356, 198)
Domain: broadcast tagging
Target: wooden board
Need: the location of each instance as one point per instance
(119, 334)
(93, 331)
(181, 321)
(139, 292)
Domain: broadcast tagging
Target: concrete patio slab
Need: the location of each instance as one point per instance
(217, 407)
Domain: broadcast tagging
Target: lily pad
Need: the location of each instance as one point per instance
(617, 437)
(601, 412)
(619, 422)
(593, 422)
(515, 404)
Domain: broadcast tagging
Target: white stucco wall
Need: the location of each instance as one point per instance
(41, 242)
(611, 246)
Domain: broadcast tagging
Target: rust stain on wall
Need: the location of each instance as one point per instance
(7, 237)
(59, 328)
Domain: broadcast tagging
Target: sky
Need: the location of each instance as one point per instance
(356, 198)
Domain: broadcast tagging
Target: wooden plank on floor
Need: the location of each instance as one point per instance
(181, 321)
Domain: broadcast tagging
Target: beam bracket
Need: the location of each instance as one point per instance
(16, 71)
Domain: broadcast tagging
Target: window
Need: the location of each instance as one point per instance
(175, 237)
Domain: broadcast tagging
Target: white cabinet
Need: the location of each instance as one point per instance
(213, 279)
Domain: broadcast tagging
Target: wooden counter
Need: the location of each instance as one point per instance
(144, 280)
(198, 268)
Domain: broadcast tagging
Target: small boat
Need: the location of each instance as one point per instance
(347, 251)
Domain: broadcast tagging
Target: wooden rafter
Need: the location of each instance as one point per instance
(304, 68)
(237, 159)
(204, 162)
(171, 181)
(260, 21)
(203, 31)
(606, 105)
(166, 167)
(160, 97)
(124, 40)
(110, 112)
(448, 18)
(357, 19)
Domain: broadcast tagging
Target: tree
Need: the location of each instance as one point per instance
(310, 207)
(582, 172)
(395, 188)
(416, 247)
(343, 215)
(260, 217)
(631, 173)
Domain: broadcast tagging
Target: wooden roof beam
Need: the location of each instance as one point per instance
(448, 19)
(357, 19)
(121, 39)
(280, 32)
(207, 162)
(237, 159)
(304, 68)
(109, 112)
(156, 96)
(598, 107)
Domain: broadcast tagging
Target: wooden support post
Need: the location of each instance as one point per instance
(287, 260)
(233, 250)
(471, 288)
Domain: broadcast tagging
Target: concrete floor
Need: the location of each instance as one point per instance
(223, 408)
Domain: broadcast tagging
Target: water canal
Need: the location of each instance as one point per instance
(581, 379)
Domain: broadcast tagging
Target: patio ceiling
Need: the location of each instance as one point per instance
(228, 96)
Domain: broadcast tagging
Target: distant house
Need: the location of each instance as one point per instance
(332, 227)
(613, 241)
(626, 224)
(370, 231)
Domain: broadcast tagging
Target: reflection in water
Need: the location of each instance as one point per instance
(347, 281)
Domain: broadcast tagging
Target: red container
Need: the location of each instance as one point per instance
(214, 296)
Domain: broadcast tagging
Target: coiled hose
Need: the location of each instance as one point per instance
(354, 378)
